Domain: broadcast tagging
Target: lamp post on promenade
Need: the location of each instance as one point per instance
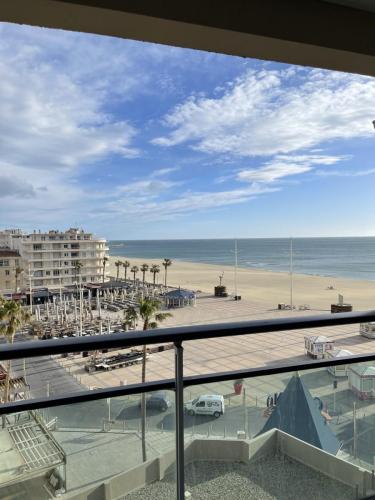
(291, 274)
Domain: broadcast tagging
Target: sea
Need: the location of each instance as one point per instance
(346, 257)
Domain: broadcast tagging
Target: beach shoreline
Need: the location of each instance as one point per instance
(262, 286)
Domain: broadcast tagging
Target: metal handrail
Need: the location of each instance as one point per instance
(169, 384)
(178, 334)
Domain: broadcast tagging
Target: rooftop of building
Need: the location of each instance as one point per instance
(270, 478)
(363, 370)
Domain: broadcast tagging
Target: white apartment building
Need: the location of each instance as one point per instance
(51, 257)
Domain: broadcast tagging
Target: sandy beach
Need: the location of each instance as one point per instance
(265, 288)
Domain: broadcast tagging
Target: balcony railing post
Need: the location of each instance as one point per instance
(179, 403)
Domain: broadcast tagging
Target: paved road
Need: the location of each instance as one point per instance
(125, 413)
(43, 374)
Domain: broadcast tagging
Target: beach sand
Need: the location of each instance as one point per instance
(265, 288)
(261, 291)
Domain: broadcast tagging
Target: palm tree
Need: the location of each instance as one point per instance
(155, 269)
(77, 268)
(130, 317)
(144, 268)
(149, 313)
(126, 264)
(118, 263)
(166, 263)
(19, 271)
(12, 317)
(105, 260)
(134, 270)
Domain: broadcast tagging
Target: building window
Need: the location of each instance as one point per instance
(37, 247)
(66, 263)
(4, 263)
(7, 273)
(48, 273)
(83, 279)
(56, 272)
(66, 246)
(17, 262)
(74, 245)
(75, 254)
(66, 271)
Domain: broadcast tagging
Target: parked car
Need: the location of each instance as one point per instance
(157, 401)
(207, 404)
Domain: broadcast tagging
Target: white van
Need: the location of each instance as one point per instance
(208, 404)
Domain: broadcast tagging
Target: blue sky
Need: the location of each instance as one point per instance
(141, 141)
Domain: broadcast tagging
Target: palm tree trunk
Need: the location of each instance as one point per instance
(126, 271)
(118, 271)
(16, 282)
(165, 277)
(154, 278)
(103, 271)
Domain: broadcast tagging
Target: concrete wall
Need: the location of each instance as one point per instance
(329, 465)
(269, 443)
(156, 469)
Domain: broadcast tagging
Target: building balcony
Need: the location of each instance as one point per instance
(84, 247)
(290, 430)
(46, 266)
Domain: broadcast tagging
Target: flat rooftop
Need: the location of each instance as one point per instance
(271, 478)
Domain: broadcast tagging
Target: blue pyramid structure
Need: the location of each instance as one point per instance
(297, 414)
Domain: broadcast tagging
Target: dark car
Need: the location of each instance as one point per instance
(157, 401)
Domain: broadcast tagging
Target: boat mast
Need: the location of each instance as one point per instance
(235, 267)
(291, 273)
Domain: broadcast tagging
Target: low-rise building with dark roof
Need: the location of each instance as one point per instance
(179, 298)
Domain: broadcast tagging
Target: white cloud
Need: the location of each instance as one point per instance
(146, 188)
(283, 166)
(161, 172)
(54, 96)
(345, 173)
(275, 112)
(187, 203)
(52, 121)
